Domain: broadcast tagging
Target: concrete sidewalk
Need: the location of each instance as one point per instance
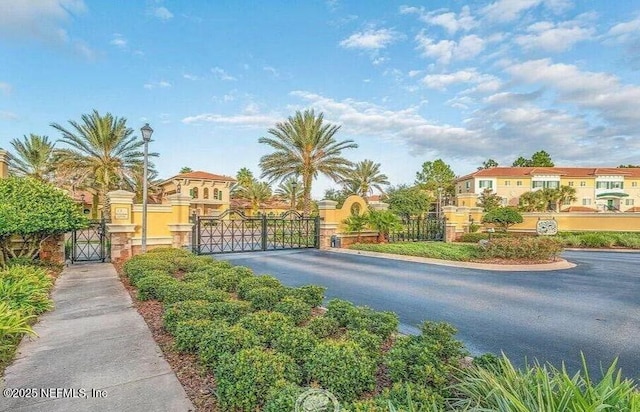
(94, 352)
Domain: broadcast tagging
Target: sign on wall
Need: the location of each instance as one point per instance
(122, 213)
(547, 227)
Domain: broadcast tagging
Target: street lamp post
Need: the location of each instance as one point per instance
(294, 185)
(146, 137)
(439, 202)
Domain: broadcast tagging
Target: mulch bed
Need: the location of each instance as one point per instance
(197, 382)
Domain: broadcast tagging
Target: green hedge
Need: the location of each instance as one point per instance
(223, 340)
(264, 281)
(525, 247)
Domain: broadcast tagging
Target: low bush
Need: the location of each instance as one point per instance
(476, 237)
(222, 340)
(264, 281)
(407, 397)
(183, 311)
(266, 325)
(297, 343)
(382, 323)
(26, 289)
(544, 388)
(189, 333)
(230, 311)
(524, 247)
(229, 279)
(487, 361)
(323, 326)
(282, 398)
(296, 309)
(342, 367)
(245, 378)
(431, 358)
(139, 266)
(198, 277)
(153, 285)
(264, 298)
(13, 323)
(312, 295)
(180, 291)
(368, 341)
(340, 310)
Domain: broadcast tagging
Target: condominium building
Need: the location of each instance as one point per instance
(210, 193)
(597, 189)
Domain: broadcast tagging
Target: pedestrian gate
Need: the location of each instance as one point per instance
(89, 244)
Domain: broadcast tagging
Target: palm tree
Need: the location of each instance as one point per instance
(566, 194)
(104, 149)
(305, 146)
(33, 157)
(366, 176)
(256, 193)
(533, 201)
(244, 178)
(289, 189)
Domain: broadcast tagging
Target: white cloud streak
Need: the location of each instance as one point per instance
(446, 51)
(220, 74)
(371, 39)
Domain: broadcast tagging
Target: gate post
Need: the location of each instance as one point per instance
(329, 224)
(180, 227)
(265, 234)
(121, 227)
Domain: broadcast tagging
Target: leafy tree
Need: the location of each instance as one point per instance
(384, 221)
(366, 176)
(104, 150)
(408, 201)
(488, 164)
(305, 146)
(566, 194)
(185, 169)
(503, 217)
(33, 157)
(628, 166)
(437, 177)
(256, 193)
(286, 190)
(34, 211)
(521, 162)
(538, 159)
(533, 202)
(488, 200)
(337, 195)
(244, 177)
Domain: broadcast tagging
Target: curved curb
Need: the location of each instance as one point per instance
(541, 267)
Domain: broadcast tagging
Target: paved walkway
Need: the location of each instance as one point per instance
(94, 352)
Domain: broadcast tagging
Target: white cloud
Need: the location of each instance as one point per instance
(220, 74)
(254, 121)
(508, 10)
(483, 82)
(189, 76)
(554, 37)
(162, 13)
(446, 51)
(448, 20)
(162, 84)
(625, 31)
(5, 88)
(119, 41)
(272, 71)
(371, 39)
(6, 115)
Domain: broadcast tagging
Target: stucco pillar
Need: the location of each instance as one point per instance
(328, 223)
(450, 232)
(4, 164)
(180, 226)
(378, 206)
(121, 228)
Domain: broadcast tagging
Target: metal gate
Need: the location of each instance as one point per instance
(232, 231)
(420, 229)
(90, 244)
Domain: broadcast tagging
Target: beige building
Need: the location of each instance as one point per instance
(597, 189)
(210, 193)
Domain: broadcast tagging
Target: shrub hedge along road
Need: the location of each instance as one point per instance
(262, 343)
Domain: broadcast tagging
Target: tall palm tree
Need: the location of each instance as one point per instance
(566, 194)
(104, 149)
(244, 178)
(256, 193)
(33, 157)
(289, 190)
(366, 176)
(305, 146)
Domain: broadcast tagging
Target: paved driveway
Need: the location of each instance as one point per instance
(550, 316)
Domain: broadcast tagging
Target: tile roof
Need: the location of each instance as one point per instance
(562, 171)
(201, 175)
(579, 209)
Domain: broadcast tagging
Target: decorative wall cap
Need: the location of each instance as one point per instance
(329, 225)
(153, 208)
(120, 196)
(179, 199)
(327, 204)
(116, 228)
(160, 240)
(180, 227)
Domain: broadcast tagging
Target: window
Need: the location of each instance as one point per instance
(586, 201)
(628, 202)
(507, 182)
(485, 184)
(609, 185)
(634, 184)
(216, 193)
(468, 185)
(205, 193)
(548, 184)
(519, 183)
(194, 193)
(571, 184)
(220, 195)
(583, 183)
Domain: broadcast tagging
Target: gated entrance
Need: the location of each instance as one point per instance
(232, 231)
(91, 243)
(420, 229)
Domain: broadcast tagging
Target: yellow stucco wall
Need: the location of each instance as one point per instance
(588, 222)
(350, 206)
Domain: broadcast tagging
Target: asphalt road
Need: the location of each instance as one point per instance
(593, 308)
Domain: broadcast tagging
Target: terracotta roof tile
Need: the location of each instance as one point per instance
(203, 175)
(579, 209)
(562, 171)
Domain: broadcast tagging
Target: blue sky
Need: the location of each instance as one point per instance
(408, 81)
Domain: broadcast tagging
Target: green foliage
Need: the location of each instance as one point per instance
(355, 223)
(340, 310)
(223, 340)
(264, 281)
(488, 200)
(26, 289)
(336, 195)
(437, 175)
(323, 326)
(185, 310)
(264, 298)
(282, 398)
(342, 367)
(180, 291)
(294, 308)
(364, 177)
(228, 279)
(503, 217)
(381, 324)
(383, 221)
(296, 343)
(189, 333)
(430, 358)
(523, 247)
(601, 239)
(408, 201)
(433, 250)
(266, 325)
(244, 379)
(368, 341)
(478, 236)
(533, 201)
(230, 311)
(312, 295)
(545, 388)
(153, 285)
(538, 159)
(140, 266)
(488, 361)
(488, 164)
(34, 210)
(401, 397)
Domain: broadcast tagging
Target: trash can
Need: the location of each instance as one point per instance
(335, 241)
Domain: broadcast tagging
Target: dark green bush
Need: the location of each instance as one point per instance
(264, 281)
(295, 308)
(524, 247)
(368, 341)
(282, 398)
(185, 310)
(403, 397)
(342, 367)
(176, 292)
(229, 279)
(230, 311)
(296, 343)
(431, 358)
(139, 266)
(245, 378)
(323, 326)
(222, 340)
(488, 361)
(478, 236)
(382, 324)
(168, 252)
(264, 298)
(189, 333)
(312, 295)
(266, 325)
(340, 310)
(151, 286)
(198, 277)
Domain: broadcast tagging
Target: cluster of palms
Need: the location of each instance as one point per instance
(546, 199)
(100, 153)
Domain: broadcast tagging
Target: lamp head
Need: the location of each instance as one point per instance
(147, 131)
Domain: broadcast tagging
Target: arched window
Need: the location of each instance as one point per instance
(215, 194)
(194, 193)
(220, 195)
(205, 193)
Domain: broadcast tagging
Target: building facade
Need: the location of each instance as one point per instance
(210, 193)
(597, 189)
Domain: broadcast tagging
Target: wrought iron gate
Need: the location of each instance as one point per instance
(232, 231)
(90, 244)
(420, 229)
